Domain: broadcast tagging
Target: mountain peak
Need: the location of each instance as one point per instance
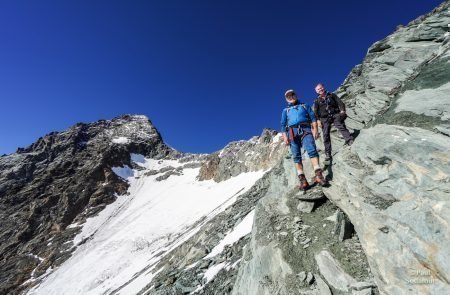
(136, 131)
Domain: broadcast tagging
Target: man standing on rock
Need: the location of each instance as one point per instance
(329, 109)
(299, 128)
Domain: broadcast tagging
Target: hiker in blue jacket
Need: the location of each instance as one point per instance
(299, 129)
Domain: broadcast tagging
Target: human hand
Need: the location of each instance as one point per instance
(315, 133)
(285, 139)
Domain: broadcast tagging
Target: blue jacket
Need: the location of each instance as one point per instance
(296, 114)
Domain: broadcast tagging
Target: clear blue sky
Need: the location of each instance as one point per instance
(204, 72)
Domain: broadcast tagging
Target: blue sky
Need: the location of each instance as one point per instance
(204, 72)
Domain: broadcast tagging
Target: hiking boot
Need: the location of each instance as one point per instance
(319, 179)
(303, 182)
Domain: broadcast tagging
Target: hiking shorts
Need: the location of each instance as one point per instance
(308, 144)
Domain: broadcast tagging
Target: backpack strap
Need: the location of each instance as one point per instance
(303, 106)
(306, 111)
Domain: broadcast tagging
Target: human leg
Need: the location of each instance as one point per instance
(326, 124)
(310, 146)
(297, 157)
(339, 123)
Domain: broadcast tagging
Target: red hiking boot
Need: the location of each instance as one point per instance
(303, 182)
(319, 179)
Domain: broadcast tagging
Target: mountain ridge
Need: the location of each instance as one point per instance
(382, 227)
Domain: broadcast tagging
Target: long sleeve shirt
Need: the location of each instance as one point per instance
(331, 104)
(296, 114)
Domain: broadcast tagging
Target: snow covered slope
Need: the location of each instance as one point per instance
(119, 248)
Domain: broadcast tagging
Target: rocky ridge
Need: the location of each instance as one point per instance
(243, 156)
(394, 182)
(64, 177)
(297, 242)
(372, 86)
(391, 186)
(286, 225)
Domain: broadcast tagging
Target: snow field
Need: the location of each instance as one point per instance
(119, 248)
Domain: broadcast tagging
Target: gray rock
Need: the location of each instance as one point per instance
(332, 271)
(302, 276)
(305, 206)
(242, 156)
(343, 227)
(309, 278)
(367, 291)
(362, 285)
(333, 218)
(396, 194)
(312, 194)
(169, 173)
(305, 241)
(204, 264)
(426, 102)
(322, 286)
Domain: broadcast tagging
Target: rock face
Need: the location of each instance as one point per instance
(261, 152)
(394, 182)
(382, 228)
(64, 177)
(394, 186)
(280, 256)
(188, 267)
(390, 63)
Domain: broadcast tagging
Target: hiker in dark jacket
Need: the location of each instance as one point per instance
(329, 109)
(299, 128)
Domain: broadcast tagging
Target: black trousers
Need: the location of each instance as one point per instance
(339, 123)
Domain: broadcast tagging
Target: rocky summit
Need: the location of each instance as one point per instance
(61, 178)
(109, 208)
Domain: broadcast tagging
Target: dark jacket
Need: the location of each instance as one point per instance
(331, 105)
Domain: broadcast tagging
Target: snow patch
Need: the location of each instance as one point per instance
(73, 225)
(32, 278)
(123, 172)
(254, 139)
(120, 140)
(277, 138)
(241, 230)
(234, 264)
(121, 246)
(213, 271)
(137, 158)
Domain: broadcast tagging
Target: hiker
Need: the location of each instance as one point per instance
(298, 126)
(329, 109)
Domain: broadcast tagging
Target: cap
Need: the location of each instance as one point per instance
(290, 91)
